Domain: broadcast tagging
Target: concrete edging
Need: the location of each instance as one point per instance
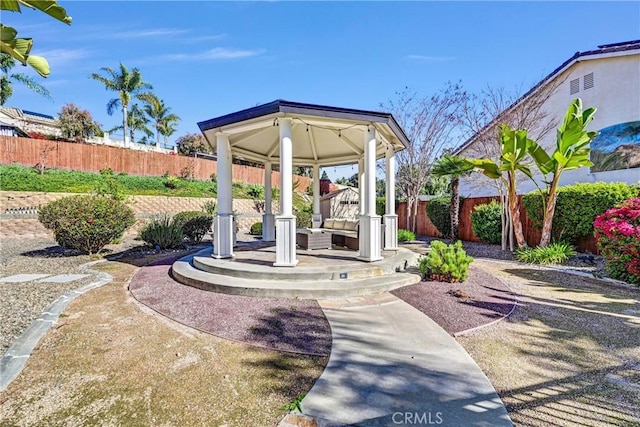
(17, 355)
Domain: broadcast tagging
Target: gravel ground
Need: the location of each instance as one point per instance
(485, 299)
(297, 326)
(23, 302)
(583, 262)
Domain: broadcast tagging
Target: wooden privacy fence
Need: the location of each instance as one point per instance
(531, 234)
(93, 158)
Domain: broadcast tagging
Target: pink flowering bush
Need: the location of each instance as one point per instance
(618, 238)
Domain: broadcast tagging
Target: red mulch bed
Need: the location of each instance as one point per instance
(297, 326)
(489, 300)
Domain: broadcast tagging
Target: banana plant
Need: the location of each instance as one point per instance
(514, 145)
(20, 48)
(571, 152)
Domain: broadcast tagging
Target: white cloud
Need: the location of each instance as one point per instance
(148, 33)
(426, 58)
(63, 55)
(215, 54)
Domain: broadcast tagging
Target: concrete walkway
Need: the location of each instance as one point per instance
(391, 365)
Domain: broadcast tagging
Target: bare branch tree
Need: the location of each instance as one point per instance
(484, 112)
(429, 123)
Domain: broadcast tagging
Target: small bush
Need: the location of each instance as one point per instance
(577, 207)
(445, 263)
(86, 223)
(439, 212)
(163, 233)
(172, 182)
(256, 229)
(255, 191)
(194, 224)
(303, 219)
(618, 239)
(406, 235)
(555, 253)
(210, 207)
(486, 222)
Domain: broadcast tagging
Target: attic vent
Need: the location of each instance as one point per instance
(588, 81)
(574, 86)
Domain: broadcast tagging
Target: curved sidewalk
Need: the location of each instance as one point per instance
(391, 365)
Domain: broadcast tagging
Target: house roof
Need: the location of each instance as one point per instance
(30, 116)
(604, 49)
(322, 135)
(334, 193)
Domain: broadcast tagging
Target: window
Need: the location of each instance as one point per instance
(574, 86)
(588, 81)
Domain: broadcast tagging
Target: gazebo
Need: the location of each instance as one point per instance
(291, 133)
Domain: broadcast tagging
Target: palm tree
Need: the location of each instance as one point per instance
(454, 167)
(159, 113)
(6, 80)
(126, 83)
(136, 120)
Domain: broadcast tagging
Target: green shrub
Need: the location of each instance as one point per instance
(210, 207)
(256, 229)
(194, 224)
(618, 238)
(486, 222)
(439, 212)
(255, 191)
(577, 207)
(304, 219)
(381, 206)
(406, 235)
(555, 253)
(161, 232)
(86, 223)
(445, 263)
(172, 182)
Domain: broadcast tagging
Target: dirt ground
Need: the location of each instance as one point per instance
(569, 354)
(109, 361)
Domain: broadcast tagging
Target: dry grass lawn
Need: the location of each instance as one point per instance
(109, 362)
(570, 353)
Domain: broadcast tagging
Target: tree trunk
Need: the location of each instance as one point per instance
(514, 209)
(124, 124)
(157, 137)
(504, 219)
(416, 202)
(545, 239)
(455, 209)
(409, 206)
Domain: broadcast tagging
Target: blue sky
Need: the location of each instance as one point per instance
(207, 59)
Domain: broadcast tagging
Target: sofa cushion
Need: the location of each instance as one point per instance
(338, 224)
(351, 225)
(328, 223)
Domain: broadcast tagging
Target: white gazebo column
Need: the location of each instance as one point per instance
(223, 232)
(370, 224)
(268, 224)
(316, 220)
(286, 221)
(361, 203)
(390, 217)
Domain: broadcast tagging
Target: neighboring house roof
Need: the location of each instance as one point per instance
(606, 50)
(29, 116)
(333, 194)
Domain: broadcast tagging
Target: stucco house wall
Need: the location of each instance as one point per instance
(616, 95)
